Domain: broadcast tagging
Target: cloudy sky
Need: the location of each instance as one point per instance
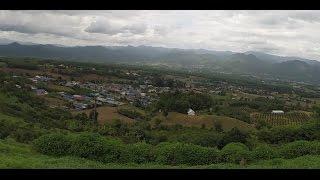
(287, 33)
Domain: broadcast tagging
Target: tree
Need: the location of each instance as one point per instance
(262, 124)
(157, 123)
(165, 113)
(93, 116)
(234, 135)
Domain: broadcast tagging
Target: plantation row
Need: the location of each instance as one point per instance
(99, 148)
(292, 118)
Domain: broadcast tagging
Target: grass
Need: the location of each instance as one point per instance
(12, 120)
(227, 123)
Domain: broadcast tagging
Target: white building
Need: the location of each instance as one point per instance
(277, 112)
(191, 112)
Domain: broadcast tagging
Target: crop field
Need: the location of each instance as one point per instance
(281, 119)
(107, 114)
(227, 123)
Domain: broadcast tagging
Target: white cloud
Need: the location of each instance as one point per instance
(293, 33)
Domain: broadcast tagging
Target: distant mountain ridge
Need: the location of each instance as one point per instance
(251, 62)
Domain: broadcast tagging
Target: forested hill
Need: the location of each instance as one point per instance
(252, 63)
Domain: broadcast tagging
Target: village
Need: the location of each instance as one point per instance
(133, 88)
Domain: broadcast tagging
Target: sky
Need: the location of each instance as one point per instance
(285, 33)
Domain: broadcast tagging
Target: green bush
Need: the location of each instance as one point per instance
(53, 144)
(141, 152)
(300, 148)
(87, 145)
(25, 135)
(234, 135)
(181, 153)
(234, 153)
(281, 134)
(114, 151)
(264, 152)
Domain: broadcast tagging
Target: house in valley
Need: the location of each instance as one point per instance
(277, 112)
(41, 92)
(191, 112)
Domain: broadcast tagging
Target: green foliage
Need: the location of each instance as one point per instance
(234, 153)
(141, 152)
(24, 64)
(114, 151)
(180, 153)
(262, 124)
(316, 110)
(300, 148)
(264, 152)
(53, 144)
(234, 135)
(18, 129)
(180, 102)
(204, 138)
(283, 134)
(86, 145)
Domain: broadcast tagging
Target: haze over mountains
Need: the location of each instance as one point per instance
(253, 63)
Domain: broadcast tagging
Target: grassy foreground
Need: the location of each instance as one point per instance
(18, 155)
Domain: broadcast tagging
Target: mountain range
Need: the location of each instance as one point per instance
(251, 62)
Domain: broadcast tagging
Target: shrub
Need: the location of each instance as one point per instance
(141, 152)
(300, 148)
(296, 149)
(264, 152)
(202, 138)
(234, 135)
(279, 134)
(87, 145)
(181, 153)
(53, 144)
(234, 153)
(25, 135)
(114, 151)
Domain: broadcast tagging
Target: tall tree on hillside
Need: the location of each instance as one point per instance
(94, 116)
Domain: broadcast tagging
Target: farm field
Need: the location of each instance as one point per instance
(290, 118)
(107, 114)
(227, 123)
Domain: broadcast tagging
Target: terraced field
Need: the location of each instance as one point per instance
(298, 117)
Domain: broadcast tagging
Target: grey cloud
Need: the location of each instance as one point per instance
(308, 16)
(31, 23)
(104, 26)
(161, 30)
